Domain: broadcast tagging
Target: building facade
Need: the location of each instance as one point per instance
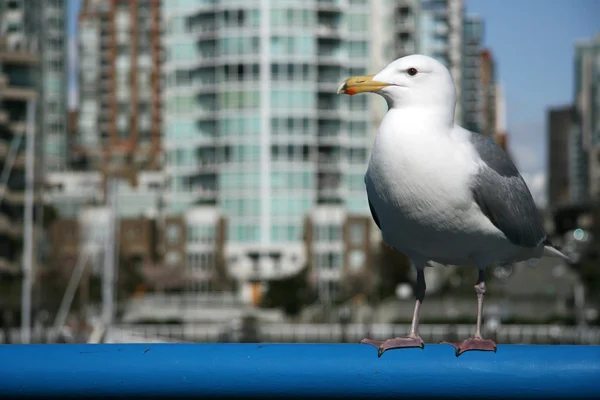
(43, 22)
(253, 124)
(559, 124)
(433, 28)
(488, 93)
(585, 150)
(472, 93)
(119, 119)
(342, 253)
(501, 134)
(18, 91)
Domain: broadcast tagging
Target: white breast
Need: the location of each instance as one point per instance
(418, 182)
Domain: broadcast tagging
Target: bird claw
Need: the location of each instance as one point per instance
(395, 343)
(473, 343)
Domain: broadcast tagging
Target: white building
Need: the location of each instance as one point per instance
(253, 125)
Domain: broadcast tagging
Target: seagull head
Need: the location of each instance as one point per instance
(411, 81)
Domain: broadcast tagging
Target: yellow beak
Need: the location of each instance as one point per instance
(360, 84)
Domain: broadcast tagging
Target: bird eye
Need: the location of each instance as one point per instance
(412, 71)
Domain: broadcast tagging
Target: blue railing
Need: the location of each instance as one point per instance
(297, 371)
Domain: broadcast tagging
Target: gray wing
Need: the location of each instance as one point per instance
(374, 214)
(503, 196)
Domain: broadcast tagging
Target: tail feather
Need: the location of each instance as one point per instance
(550, 251)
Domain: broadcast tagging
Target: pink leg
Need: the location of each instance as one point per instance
(476, 342)
(413, 339)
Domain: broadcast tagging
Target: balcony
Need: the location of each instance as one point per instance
(329, 113)
(327, 134)
(405, 24)
(333, 195)
(405, 48)
(329, 82)
(331, 56)
(329, 103)
(329, 5)
(7, 226)
(205, 32)
(204, 193)
(328, 31)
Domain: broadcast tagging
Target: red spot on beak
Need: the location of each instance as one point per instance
(351, 91)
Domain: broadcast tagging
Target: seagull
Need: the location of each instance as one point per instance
(440, 193)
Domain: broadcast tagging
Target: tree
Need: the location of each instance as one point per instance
(394, 268)
(129, 277)
(50, 215)
(290, 294)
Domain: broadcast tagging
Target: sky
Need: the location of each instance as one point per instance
(533, 44)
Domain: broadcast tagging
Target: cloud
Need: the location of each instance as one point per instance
(72, 72)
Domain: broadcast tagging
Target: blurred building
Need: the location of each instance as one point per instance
(472, 113)
(193, 247)
(116, 132)
(117, 135)
(77, 159)
(260, 155)
(585, 138)
(119, 121)
(18, 88)
(43, 23)
(488, 93)
(559, 124)
(254, 127)
(430, 27)
(342, 253)
(71, 191)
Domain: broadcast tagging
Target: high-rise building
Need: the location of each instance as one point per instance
(578, 167)
(488, 93)
(18, 91)
(559, 124)
(501, 135)
(585, 150)
(43, 22)
(433, 28)
(254, 128)
(472, 113)
(115, 134)
(119, 120)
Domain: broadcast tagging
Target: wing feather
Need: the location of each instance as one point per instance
(503, 196)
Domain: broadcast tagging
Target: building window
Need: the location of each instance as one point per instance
(356, 260)
(358, 155)
(172, 234)
(328, 260)
(172, 258)
(329, 290)
(357, 234)
(327, 233)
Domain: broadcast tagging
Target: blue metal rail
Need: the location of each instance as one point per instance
(297, 371)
